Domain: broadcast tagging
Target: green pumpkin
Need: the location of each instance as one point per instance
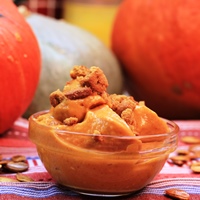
(64, 45)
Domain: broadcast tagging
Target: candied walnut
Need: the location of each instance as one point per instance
(96, 80)
(93, 78)
(56, 98)
(79, 71)
(79, 93)
(127, 116)
(119, 103)
(70, 121)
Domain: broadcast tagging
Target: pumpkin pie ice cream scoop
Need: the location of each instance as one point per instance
(99, 143)
(84, 106)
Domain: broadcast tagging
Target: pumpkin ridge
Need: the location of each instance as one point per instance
(20, 63)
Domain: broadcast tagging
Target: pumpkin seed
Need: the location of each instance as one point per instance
(194, 156)
(195, 167)
(195, 149)
(4, 162)
(177, 193)
(178, 162)
(181, 158)
(16, 163)
(18, 158)
(190, 156)
(182, 152)
(190, 140)
(16, 166)
(23, 178)
(6, 179)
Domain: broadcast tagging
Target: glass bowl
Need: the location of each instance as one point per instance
(101, 165)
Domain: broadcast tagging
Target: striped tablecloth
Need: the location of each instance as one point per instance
(15, 141)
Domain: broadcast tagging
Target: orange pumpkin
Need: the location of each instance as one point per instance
(20, 64)
(158, 44)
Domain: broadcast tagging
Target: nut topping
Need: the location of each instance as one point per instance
(79, 93)
(56, 98)
(70, 121)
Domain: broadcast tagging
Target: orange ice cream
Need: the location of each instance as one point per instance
(84, 106)
(113, 129)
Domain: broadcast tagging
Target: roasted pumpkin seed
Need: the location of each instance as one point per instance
(195, 167)
(6, 179)
(18, 158)
(16, 166)
(190, 140)
(177, 194)
(23, 178)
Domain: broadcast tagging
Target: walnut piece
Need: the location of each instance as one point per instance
(56, 98)
(79, 93)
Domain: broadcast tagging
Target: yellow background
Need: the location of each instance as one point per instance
(95, 18)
